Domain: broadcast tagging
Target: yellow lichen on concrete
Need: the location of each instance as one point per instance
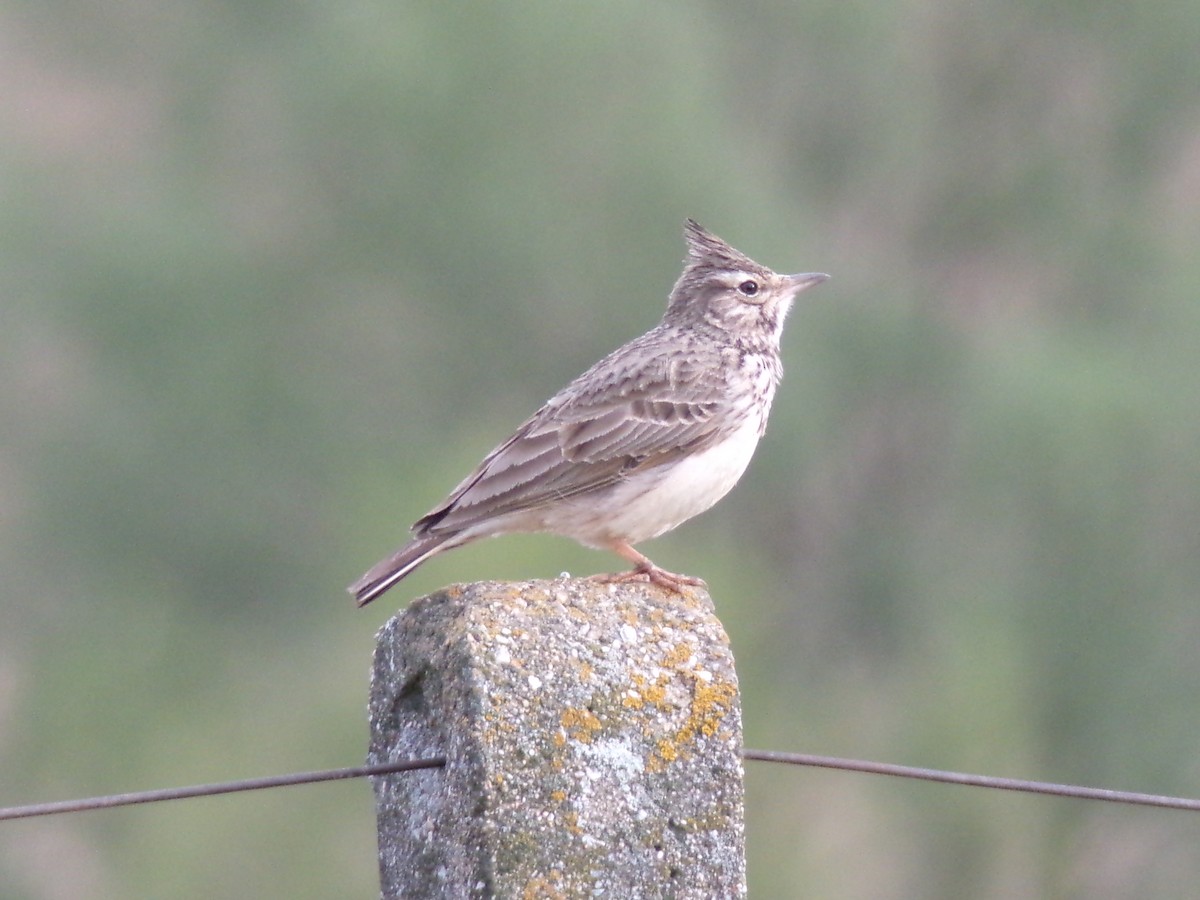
(644, 692)
(657, 693)
(542, 889)
(711, 702)
(678, 655)
(667, 751)
(580, 724)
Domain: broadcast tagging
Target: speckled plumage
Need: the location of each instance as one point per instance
(651, 435)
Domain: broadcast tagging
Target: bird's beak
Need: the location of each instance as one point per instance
(804, 280)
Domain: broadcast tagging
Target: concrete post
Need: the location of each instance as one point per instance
(593, 742)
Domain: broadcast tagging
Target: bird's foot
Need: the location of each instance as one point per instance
(645, 570)
(651, 574)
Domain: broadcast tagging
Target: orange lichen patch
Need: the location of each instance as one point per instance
(496, 723)
(646, 691)
(657, 693)
(542, 889)
(578, 613)
(677, 655)
(585, 671)
(665, 751)
(580, 724)
(643, 692)
(572, 821)
(711, 702)
(558, 796)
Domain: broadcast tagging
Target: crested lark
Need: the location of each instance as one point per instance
(653, 434)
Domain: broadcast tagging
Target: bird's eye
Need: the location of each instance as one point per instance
(749, 288)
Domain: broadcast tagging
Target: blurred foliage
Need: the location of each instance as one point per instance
(275, 275)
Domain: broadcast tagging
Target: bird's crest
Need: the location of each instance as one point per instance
(706, 250)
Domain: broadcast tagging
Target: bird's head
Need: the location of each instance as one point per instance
(725, 288)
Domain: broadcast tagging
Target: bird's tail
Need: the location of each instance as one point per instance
(386, 573)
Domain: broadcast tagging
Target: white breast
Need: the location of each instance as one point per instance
(653, 502)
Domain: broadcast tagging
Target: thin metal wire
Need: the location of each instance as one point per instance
(772, 756)
(986, 781)
(210, 790)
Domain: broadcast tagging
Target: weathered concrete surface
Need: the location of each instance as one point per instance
(593, 742)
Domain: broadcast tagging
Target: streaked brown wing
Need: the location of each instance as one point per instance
(584, 440)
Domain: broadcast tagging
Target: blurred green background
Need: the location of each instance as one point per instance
(274, 276)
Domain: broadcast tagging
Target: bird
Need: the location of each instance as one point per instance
(653, 434)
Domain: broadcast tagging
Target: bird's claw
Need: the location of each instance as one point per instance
(671, 581)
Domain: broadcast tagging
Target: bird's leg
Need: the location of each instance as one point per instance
(645, 570)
